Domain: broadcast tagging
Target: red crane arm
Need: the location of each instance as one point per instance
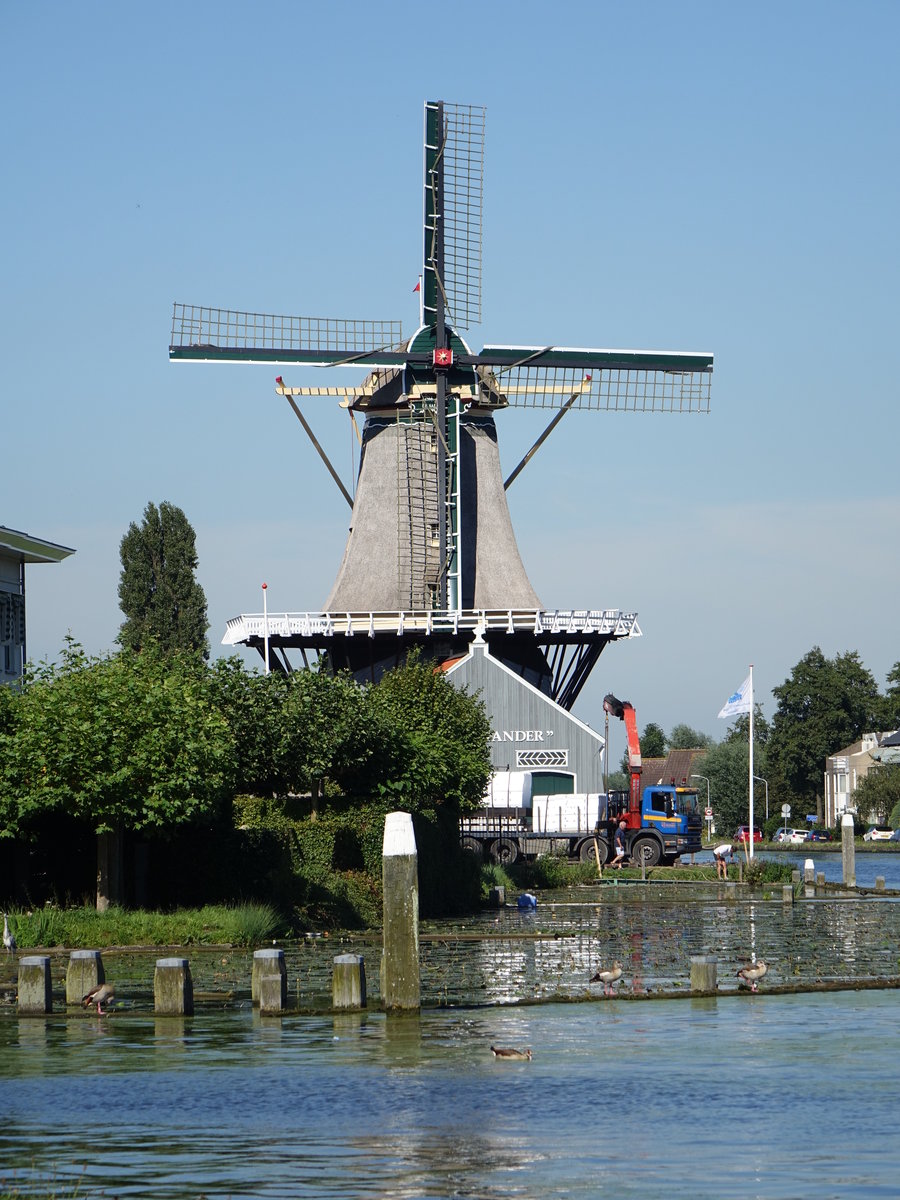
(625, 712)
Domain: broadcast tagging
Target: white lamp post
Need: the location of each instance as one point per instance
(708, 805)
(766, 786)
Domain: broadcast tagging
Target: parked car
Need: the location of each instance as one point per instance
(780, 835)
(878, 833)
(796, 836)
(895, 836)
(821, 835)
(742, 834)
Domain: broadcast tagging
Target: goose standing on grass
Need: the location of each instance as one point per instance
(9, 938)
(752, 973)
(608, 978)
(511, 1053)
(103, 993)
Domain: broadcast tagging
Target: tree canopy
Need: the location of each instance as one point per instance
(825, 705)
(125, 742)
(158, 592)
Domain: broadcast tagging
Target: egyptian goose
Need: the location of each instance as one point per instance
(511, 1052)
(752, 973)
(103, 993)
(608, 978)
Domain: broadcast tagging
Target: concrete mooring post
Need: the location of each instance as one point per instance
(348, 982)
(809, 871)
(268, 962)
(400, 985)
(704, 972)
(173, 988)
(848, 850)
(85, 971)
(35, 990)
(787, 893)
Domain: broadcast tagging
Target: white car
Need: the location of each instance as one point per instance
(878, 833)
(796, 836)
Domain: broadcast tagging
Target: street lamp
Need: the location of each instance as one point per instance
(708, 805)
(766, 786)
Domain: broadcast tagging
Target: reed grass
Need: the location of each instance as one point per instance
(84, 928)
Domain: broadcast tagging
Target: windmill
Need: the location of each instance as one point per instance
(431, 559)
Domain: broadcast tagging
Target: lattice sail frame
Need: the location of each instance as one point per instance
(607, 389)
(462, 212)
(195, 327)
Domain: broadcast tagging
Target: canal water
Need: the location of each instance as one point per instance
(650, 1093)
(738, 1096)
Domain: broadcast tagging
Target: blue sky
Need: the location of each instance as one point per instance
(695, 176)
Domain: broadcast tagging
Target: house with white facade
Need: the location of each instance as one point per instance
(845, 770)
(16, 550)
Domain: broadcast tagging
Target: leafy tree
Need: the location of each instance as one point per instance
(252, 705)
(826, 704)
(740, 730)
(324, 736)
(653, 741)
(889, 706)
(726, 765)
(877, 796)
(683, 737)
(127, 742)
(439, 751)
(158, 592)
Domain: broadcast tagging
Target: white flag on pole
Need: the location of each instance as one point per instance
(740, 701)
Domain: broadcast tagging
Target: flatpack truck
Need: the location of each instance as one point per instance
(662, 820)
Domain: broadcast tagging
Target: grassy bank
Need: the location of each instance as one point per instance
(85, 928)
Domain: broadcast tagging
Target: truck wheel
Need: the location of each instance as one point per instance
(504, 852)
(646, 850)
(586, 851)
(472, 846)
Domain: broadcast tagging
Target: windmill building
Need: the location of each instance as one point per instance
(431, 560)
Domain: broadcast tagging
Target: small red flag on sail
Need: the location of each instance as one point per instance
(418, 286)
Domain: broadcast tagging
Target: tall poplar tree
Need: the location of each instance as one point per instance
(158, 592)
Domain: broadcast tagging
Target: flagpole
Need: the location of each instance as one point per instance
(750, 782)
(265, 588)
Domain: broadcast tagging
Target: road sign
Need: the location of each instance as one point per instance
(785, 810)
(708, 814)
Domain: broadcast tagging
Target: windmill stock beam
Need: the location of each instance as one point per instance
(491, 356)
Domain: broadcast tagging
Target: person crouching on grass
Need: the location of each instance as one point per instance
(721, 854)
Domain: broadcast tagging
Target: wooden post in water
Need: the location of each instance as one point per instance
(704, 972)
(271, 993)
(400, 986)
(787, 893)
(848, 851)
(879, 883)
(85, 971)
(268, 962)
(820, 879)
(173, 988)
(497, 896)
(35, 991)
(348, 981)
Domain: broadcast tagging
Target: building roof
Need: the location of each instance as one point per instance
(30, 549)
(674, 768)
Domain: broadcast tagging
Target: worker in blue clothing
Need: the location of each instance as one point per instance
(620, 845)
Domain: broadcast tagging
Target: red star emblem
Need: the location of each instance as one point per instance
(442, 358)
